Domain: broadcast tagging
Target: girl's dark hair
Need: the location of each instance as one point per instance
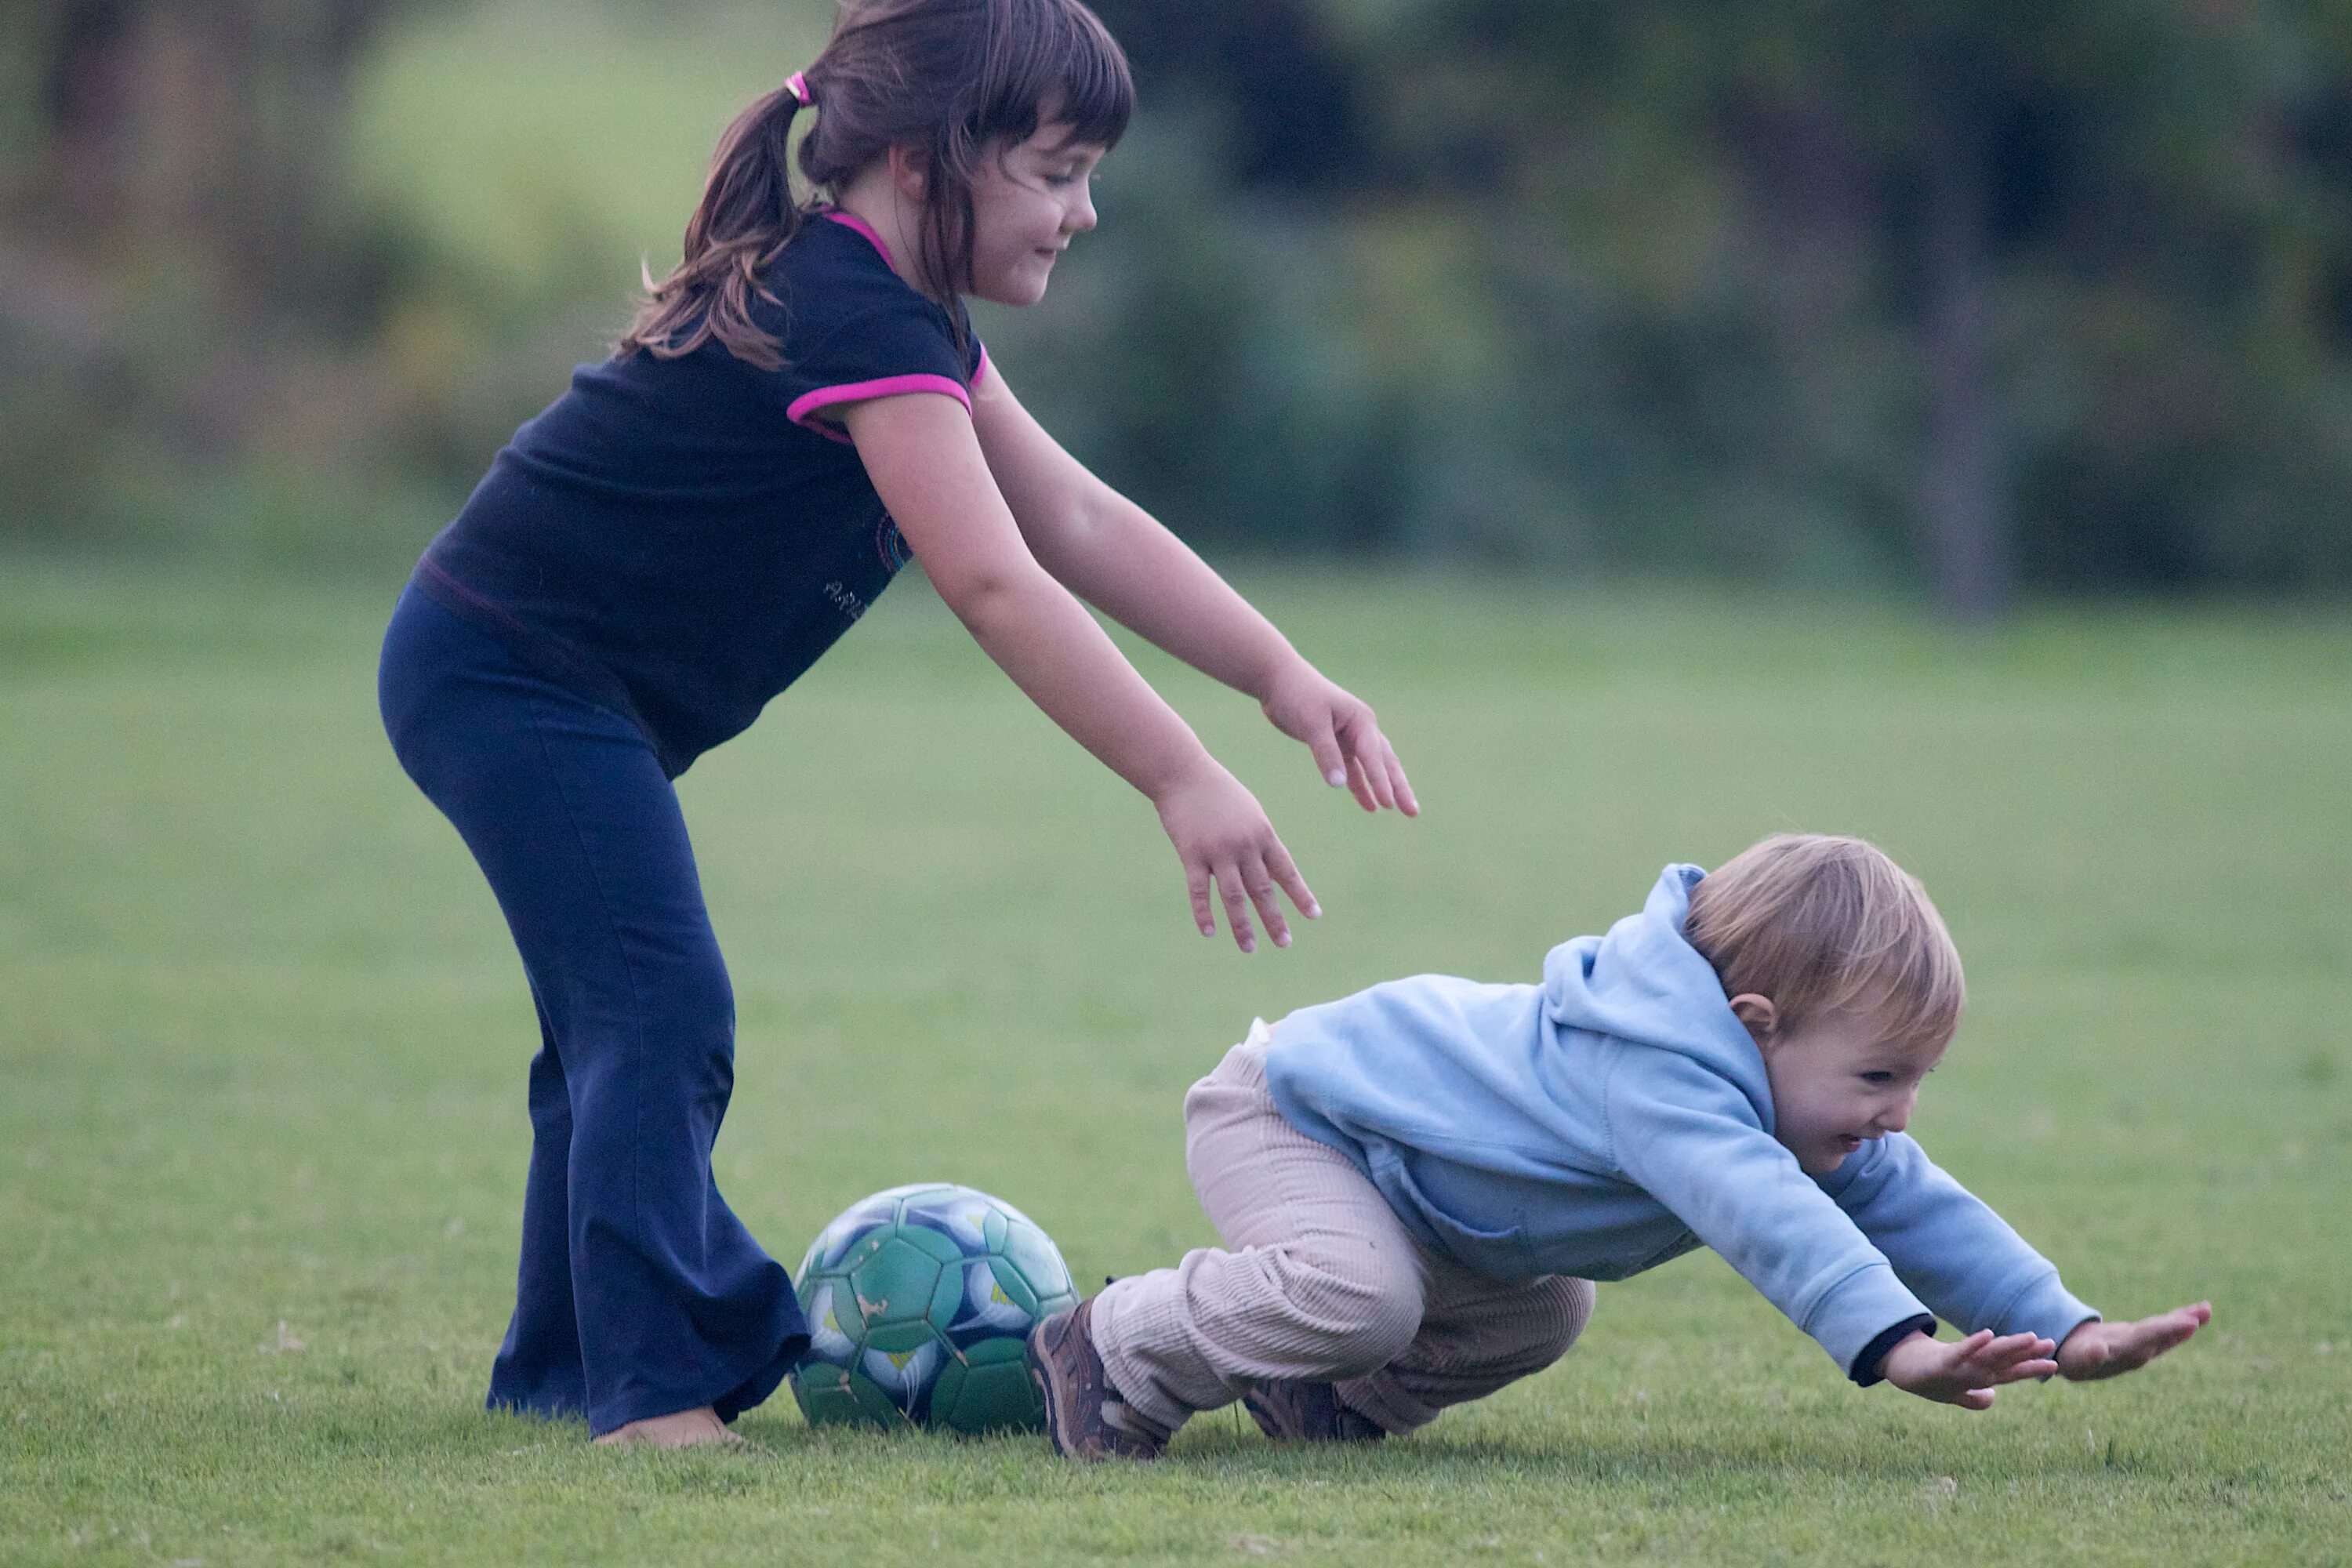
(952, 78)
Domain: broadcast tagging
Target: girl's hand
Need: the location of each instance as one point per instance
(1340, 729)
(1965, 1371)
(2110, 1350)
(1221, 835)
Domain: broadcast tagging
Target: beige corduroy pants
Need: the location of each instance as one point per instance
(1317, 1282)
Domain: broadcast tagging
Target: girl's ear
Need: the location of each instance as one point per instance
(1762, 1018)
(911, 172)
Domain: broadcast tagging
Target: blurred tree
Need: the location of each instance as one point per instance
(1290, 91)
(2007, 196)
(174, 251)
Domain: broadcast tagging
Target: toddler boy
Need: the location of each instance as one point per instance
(1418, 1184)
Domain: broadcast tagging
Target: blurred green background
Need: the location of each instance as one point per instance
(1968, 301)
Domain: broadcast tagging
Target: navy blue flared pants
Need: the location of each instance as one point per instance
(640, 1293)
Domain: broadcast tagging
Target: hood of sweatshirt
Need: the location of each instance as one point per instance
(1644, 982)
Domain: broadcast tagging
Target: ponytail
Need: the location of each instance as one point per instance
(746, 215)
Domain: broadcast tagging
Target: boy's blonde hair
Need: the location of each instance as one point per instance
(1821, 923)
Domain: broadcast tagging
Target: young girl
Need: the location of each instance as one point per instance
(799, 406)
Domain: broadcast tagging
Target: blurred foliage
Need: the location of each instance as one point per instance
(1967, 296)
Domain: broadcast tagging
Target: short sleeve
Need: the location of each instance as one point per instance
(853, 331)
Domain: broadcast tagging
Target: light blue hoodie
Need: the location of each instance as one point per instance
(1617, 1116)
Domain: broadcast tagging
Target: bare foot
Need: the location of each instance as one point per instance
(681, 1429)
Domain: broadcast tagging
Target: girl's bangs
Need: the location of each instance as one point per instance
(1071, 66)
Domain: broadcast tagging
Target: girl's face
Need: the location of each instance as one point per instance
(1026, 203)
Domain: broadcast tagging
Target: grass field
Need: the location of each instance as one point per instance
(262, 1044)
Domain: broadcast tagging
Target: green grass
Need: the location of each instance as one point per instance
(262, 1044)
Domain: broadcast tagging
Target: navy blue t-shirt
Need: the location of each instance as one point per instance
(680, 538)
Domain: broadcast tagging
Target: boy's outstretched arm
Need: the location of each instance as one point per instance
(2097, 1349)
(1112, 553)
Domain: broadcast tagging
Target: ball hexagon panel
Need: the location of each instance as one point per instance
(988, 1390)
(896, 1286)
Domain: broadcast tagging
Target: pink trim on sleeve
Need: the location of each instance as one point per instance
(852, 222)
(802, 409)
(980, 371)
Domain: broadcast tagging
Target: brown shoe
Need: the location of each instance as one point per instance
(1308, 1412)
(1069, 1376)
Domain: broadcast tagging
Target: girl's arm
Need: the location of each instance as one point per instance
(926, 464)
(1111, 552)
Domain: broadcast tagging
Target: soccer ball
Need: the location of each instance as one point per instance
(919, 1303)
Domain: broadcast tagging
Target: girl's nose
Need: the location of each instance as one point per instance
(1082, 215)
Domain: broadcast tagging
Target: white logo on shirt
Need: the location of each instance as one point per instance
(844, 599)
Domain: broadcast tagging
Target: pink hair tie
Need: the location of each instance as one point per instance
(797, 85)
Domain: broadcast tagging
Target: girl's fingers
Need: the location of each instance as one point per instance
(1237, 919)
(1369, 748)
(1361, 781)
(1204, 913)
(1260, 884)
(1329, 760)
(1279, 861)
(1398, 781)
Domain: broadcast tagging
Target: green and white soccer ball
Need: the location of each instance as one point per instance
(919, 1303)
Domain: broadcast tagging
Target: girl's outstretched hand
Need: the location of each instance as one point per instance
(1222, 835)
(2110, 1350)
(1340, 729)
(1965, 1371)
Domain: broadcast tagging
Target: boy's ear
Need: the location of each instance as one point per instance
(1762, 1018)
(910, 171)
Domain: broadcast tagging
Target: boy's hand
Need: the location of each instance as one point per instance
(1340, 730)
(2108, 1350)
(1222, 835)
(1965, 1371)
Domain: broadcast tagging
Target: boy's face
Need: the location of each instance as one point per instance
(1837, 1084)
